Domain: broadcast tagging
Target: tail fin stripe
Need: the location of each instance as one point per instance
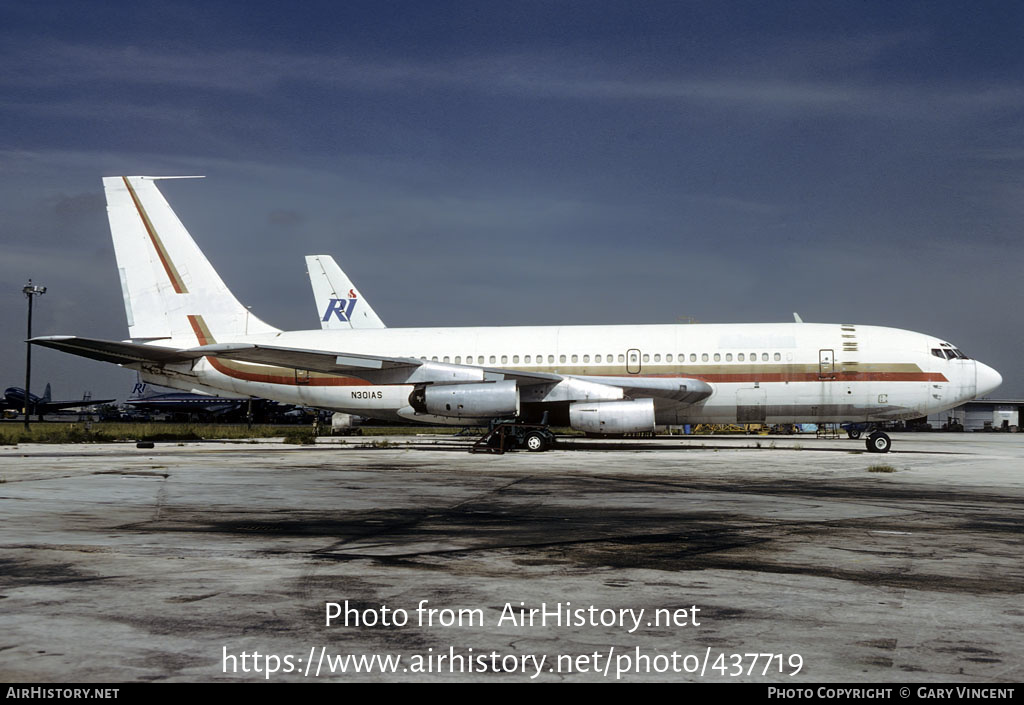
(165, 260)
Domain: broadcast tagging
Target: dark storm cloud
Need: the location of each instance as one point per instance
(83, 205)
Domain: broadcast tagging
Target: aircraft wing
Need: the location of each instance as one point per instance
(304, 359)
(686, 390)
(381, 369)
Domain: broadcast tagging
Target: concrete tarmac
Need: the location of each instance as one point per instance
(771, 559)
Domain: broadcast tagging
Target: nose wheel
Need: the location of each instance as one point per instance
(878, 442)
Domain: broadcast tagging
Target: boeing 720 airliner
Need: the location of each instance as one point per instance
(187, 330)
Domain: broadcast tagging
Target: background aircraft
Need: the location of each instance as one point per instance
(147, 397)
(14, 402)
(339, 305)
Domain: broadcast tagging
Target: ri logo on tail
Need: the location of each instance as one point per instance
(337, 311)
(342, 308)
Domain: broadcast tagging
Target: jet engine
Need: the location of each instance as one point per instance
(486, 400)
(612, 416)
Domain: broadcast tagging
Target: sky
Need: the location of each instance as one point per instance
(526, 163)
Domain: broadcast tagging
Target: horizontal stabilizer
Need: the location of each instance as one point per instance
(113, 350)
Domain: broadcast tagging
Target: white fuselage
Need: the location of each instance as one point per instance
(759, 373)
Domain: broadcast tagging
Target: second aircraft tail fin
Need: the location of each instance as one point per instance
(338, 304)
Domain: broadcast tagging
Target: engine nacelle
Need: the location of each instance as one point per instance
(612, 416)
(476, 401)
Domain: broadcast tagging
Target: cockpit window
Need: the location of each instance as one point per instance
(938, 353)
(949, 354)
(959, 354)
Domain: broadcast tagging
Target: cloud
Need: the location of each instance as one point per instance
(52, 64)
(78, 206)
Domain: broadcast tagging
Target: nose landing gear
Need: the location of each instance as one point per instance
(878, 442)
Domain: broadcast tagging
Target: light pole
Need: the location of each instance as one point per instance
(29, 291)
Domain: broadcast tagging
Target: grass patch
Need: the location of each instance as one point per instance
(55, 432)
(300, 436)
(881, 468)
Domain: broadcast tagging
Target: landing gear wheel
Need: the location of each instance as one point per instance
(535, 442)
(853, 433)
(878, 442)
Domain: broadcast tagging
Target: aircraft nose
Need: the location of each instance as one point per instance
(987, 379)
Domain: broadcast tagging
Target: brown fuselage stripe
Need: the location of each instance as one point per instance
(805, 377)
(165, 260)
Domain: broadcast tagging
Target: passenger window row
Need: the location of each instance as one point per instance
(605, 359)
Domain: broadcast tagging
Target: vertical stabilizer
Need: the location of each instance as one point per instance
(46, 394)
(165, 278)
(338, 304)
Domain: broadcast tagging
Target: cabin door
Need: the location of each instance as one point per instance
(826, 364)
